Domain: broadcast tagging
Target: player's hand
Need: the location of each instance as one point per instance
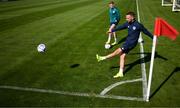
(109, 32)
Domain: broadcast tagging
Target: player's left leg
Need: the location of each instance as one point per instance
(109, 38)
(121, 63)
(125, 49)
(110, 34)
(114, 34)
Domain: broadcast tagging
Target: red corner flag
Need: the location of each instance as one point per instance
(165, 29)
(161, 28)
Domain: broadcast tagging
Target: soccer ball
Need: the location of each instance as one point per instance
(41, 48)
(107, 46)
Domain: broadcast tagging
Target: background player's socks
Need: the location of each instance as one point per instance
(114, 43)
(109, 39)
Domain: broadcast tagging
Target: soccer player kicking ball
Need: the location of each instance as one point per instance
(134, 29)
(114, 15)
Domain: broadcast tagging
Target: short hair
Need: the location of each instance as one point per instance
(111, 2)
(131, 13)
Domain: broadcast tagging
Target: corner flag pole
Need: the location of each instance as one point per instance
(151, 68)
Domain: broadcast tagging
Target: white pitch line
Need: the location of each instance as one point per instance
(107, 89)
(143, 66)
(69, 93)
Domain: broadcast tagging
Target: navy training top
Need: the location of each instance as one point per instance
(134, 29)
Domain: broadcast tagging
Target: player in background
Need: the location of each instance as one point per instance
(114, 15)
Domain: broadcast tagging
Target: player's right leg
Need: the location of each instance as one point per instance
(116, 52)
(115, 38)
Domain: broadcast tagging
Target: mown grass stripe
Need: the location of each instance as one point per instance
(11, 23)
(15, 13)
(68, 19)
(32, 6)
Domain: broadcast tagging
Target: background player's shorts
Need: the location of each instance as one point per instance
(116, 23)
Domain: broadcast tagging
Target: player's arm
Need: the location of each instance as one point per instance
(118, 17)
(121, 27)
(145, 31)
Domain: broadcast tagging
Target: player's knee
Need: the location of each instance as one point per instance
(110, 34)
(123, 56)
(117, 51)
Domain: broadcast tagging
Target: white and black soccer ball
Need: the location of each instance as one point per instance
(41, 48)
(107, 46)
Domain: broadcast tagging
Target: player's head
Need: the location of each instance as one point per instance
(130, 17)
(111, 4)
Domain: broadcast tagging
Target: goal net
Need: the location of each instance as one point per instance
(176, 5)
(167, 2)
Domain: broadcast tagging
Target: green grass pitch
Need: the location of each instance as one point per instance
(74, 31)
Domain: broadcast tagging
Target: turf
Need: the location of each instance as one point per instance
(74, 31)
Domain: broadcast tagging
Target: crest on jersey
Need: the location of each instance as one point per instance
(134, 27)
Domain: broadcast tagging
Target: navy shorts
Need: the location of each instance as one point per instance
(126, 49)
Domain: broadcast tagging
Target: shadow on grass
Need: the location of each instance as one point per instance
(7, 0)
(146, 59)
(74, 65)
(177, 69)
(122, 40)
